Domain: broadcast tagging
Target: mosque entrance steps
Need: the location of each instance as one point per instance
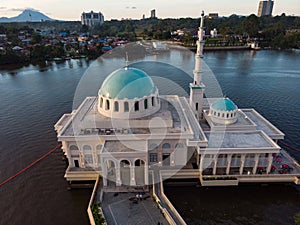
(81, 174)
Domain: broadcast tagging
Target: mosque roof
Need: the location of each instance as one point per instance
(224, 104)
(127, 82)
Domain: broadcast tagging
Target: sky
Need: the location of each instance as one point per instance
(118, 9)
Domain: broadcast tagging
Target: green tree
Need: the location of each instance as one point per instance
(250, 25)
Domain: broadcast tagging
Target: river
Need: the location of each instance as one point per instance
(33, 98)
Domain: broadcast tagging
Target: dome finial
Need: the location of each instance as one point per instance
(126, 62)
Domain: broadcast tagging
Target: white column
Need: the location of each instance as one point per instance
(215, 165)
(201, 164)
(172, 159)
(229, 156)
(146, 173)
(270, 161)
(256, 158)
(118, 176)
(81, 159)
(242, 163)
(198, 158)
(132, 176)
(95, 159)
(104, 173)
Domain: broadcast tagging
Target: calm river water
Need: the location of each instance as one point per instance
(33, 98)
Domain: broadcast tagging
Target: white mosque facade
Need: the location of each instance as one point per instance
(129, 129)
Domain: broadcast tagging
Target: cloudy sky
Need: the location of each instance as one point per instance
(72, 9)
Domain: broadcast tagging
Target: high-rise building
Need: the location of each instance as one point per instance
(92, 18)
(153, 14)
(213, 15)
(265, 8)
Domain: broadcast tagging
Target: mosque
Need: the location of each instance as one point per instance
(129, 130)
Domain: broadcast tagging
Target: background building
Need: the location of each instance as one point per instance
(213, 15)
(214, 33)
(92, 18)
(153, 14)
(265, 8)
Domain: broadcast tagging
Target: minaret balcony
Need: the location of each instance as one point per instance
(197, 86)
(197, 72)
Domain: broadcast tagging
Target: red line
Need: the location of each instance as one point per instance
(291, 147)
(31, 165)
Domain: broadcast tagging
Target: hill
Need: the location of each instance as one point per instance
(28, 15)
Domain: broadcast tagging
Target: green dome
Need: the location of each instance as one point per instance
(127, 83)
(224, 104)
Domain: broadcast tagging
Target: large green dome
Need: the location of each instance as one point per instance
(224, 104)
(127, 83)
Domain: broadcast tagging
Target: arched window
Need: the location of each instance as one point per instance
(139, 162)
(88, 158)
(124, 163)
(222, 114)
(146, 104)
(116, 109)
(136, 106)
(166, 146)
(227, 115)
(197, 106)
(215, 113)
(218, 114)
(87, 147)
(152, 101)
(73, 147)
(107, 106)
(101, 102)
(126, 107)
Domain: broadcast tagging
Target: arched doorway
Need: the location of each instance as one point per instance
(139, 171)
(125, 172)
(111, 171)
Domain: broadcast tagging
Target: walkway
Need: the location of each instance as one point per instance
(158, 191)
(120, 210)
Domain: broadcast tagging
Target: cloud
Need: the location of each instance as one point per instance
(2, 8)
(22, 9)
(132, 7)
(17, 9)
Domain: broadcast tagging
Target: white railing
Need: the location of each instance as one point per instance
(160, 205)
(89, 209)
(172, 208)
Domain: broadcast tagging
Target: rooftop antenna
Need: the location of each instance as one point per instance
(126, 62)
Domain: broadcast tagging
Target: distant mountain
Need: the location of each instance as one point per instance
(28, 15)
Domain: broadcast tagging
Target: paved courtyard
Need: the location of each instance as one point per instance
(120, 210)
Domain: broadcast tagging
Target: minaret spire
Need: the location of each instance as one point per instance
(126, 62)
(201, 36)
(197, 87)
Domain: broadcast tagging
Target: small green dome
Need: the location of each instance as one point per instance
(127, 83)
(224, 104)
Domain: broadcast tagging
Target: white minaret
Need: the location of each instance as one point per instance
(197, 87)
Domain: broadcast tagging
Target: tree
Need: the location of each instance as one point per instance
(250, 25)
